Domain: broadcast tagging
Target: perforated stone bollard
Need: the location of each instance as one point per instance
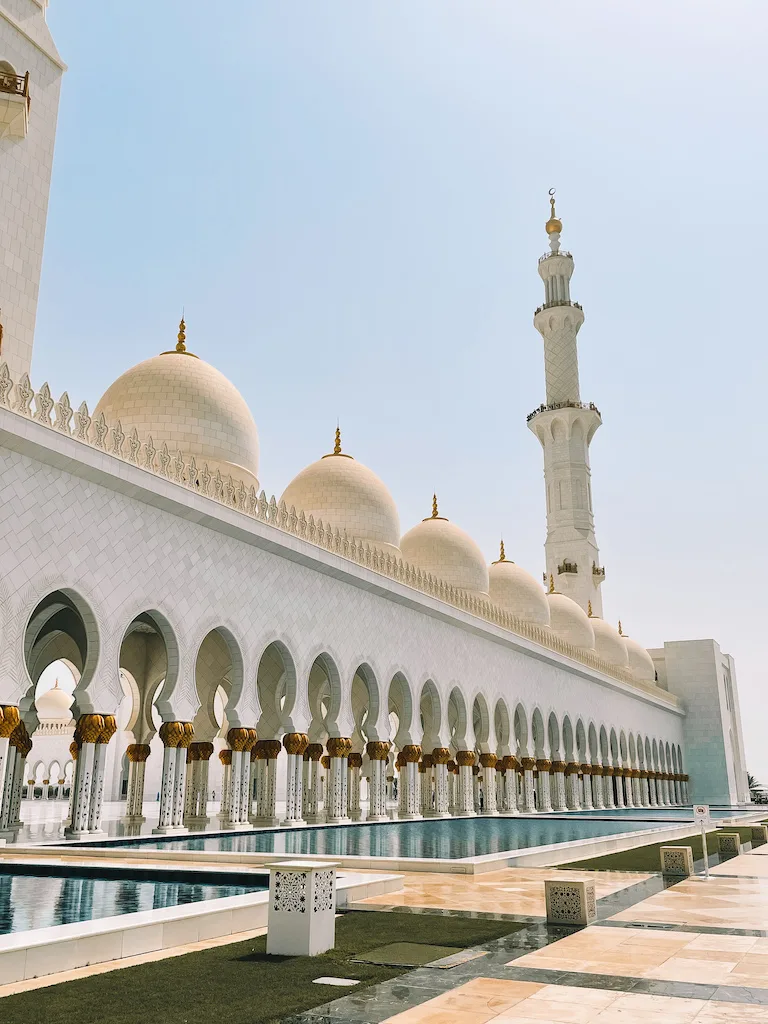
(302, 908)
(570, 902)
(676, 860)
(759, 835)
(728, 843)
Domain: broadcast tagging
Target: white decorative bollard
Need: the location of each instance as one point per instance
(759, 835)
(570, 902)
(676, 860)
(728, 843)
(302, 908)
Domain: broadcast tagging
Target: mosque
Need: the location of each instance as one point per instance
(300, 657)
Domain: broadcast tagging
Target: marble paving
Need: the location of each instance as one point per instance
(518, 891)
(711, 959)
(744, 864)
(721, 902)
(523, 1002)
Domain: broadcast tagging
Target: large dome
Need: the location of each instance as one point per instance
(185, 402)
(516, 591)
(54, 705)
(640, 662)
(347, 495)
(570, 621)
(440, 547)
(608, 644)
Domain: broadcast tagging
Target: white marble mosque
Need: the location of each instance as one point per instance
(300, 658)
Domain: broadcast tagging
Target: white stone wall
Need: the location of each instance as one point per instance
(25, 176)
(121, 541)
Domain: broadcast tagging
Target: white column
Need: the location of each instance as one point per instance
(173, 735)
(295, 743)
(378, 752)
(510, 785)
(466, 796)
(440, 758)
(586, 786)
(608, 800)
(529, 795)
(558, 773)
(409, 781)
(544, 788)
(488, 768)
(225, 756)
(619, 787)
(637, 789)
(267, 752)
(9, 720)
(312, 810)
(629, 797)
(597, 787)
(137, 754)
(339, 748)
(354, 766)
(87, 732)
(572, 794)
(180, 780)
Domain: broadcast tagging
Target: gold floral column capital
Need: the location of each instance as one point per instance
(271, 749)
(313, 752)
(586, 769)
(411, 753)
(74, 750)
(109, 730)
(378, 750)
(528, 763)
(137, 752)
(488, 760)
(558, 767)
(510, 763)
(225, 756)
(237, 739)
(295, 742)
(8, 720)
(441, 755)
(88, 728)
(339, 746)
(427, 760)
(465, 758)
(171, 733)
(355, 760)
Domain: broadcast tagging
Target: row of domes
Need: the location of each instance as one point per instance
(185, 402)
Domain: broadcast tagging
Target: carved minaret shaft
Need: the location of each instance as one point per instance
(565, 427)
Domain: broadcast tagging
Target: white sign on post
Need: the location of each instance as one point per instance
(701, 817)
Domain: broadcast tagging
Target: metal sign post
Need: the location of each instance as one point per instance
(701, 817)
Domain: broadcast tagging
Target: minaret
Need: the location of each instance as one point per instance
(30, 79)
(565, 427)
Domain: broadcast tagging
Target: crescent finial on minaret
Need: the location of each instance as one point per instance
(554, 224)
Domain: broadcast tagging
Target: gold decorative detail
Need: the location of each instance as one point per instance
(339, 746)
(137, 752)
(554, 225)
(74, 750)
(237, 739)
(378, 750)
(502, 555)
(313, 752)
(270, 749)
(411, 753)
(252, 739)
(187, 736)
(465, 758)
(510, 763)
(589, 609)
(355, 760)
(202, 751)
(597, 769)
(586, 769)
(225, 756)
(543, 765)
(528, 763)
(181, 343)
(441, 755)
(295, 742)
(109, 730)
(9, 719)
(325, 761)
(171, 733)
(551, 583)
(427, 760)
(337, 447)
(558, 767)
(620, 629)
(88, 728)
(488, 760)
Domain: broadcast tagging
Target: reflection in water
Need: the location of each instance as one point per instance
(30, 901)
(445, 839)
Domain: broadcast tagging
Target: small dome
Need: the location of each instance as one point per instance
(640, 662)
(185, 402)
(440, 547)
(347, 495)
(517, 592)
(54, 705)
(609, 644)
(570, 621)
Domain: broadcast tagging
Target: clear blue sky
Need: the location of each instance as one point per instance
(349, 200)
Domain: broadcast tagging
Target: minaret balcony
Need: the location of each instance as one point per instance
(598, 573)
(14, 104)
(551, 255)
(558, 302)
(567, 568)
(590, 406)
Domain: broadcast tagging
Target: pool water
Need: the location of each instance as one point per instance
(41, 901)
(447, 839)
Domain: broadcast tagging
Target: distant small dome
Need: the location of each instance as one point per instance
(438, 546)
(609, 644)
(185, 402)
(54, 705)
(570, 621)
(640, 662)
(517, 592)
(347, 495)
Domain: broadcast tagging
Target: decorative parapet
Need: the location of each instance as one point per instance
(21, 399)
(554, 406)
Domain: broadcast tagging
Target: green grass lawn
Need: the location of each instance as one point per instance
(238, 983)
(648, 858)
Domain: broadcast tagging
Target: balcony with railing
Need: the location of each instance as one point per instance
(560, 252)
(562, 405)
(14, 103)
(558, 302)
(567, 567)
(598, 571)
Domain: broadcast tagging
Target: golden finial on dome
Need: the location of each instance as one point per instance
(551, 584)
(181, 343)
(337, 444)
(502, 556)
(620, 631)
(589, 609)
(435, 513)
(554, 225)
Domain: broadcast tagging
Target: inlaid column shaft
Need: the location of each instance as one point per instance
(572, 794)
(339, 748)
(137, 754)
(559, 802)
(488, 766)
(378, 753)
(410, 781)
(529, 792)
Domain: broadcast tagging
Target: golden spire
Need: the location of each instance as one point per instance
(181, 345)
(337, 445)
(620, 632)
(554, 225)
(551, 584)
(589, 609)
(502, 556)
(435, 513)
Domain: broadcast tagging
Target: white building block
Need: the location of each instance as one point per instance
(302, 908)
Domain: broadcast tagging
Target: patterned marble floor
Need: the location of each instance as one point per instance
(721, 903)
(523, 1002)
(706, 959)
(745, 864)
(518, 891)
